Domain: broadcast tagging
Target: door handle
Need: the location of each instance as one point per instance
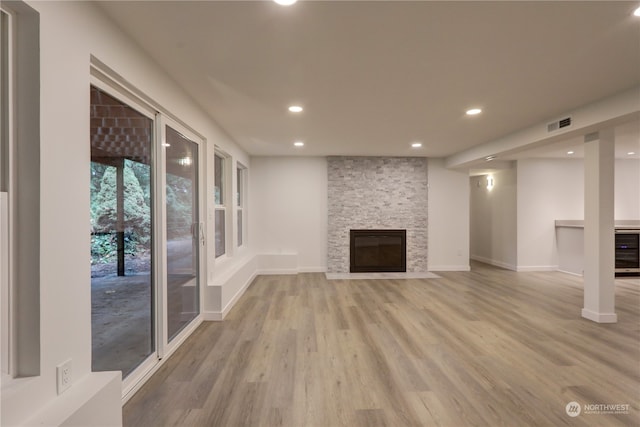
(201, 231)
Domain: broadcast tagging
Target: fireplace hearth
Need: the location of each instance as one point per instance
(377, 251)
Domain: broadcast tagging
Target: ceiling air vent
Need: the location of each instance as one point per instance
(559, 124)
(564, 123)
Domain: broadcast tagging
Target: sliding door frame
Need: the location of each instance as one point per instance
(125, 92)
(165, 346)
(124, 96)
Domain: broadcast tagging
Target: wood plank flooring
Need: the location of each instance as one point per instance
(489, 347)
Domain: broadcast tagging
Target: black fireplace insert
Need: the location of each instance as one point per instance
(378, 251)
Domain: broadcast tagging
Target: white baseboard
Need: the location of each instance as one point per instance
(374, 276)
(276, 271)
(599, 317)
(573, 273)
(312, 269)
(494, 262)
(213, 316)
(519, 268)
(531, 268)
(450, 267)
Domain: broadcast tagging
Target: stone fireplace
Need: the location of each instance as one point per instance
(383, 193)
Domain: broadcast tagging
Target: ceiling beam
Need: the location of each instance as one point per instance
(608, 112)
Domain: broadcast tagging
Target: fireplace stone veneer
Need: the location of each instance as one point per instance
(377, 193)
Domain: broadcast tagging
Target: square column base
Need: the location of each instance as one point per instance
(599, 317)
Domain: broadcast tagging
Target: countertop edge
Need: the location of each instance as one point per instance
(629, 224)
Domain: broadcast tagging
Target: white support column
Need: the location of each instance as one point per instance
(599, 237)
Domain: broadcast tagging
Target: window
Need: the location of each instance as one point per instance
(20, 188)
(240, 171)
(5, 90)
(220, 203)
(5, 164)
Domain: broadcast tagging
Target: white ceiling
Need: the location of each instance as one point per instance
(374, 76)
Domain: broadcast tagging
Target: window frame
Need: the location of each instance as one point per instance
(6, 190)
(20, 265)
(223, 204)
(103, 82)
(241, 201)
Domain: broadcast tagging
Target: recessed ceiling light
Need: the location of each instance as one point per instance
(295, 109)
(631, 153)
(473, 111)
(416, 144)
(285, 2)
(636, 12)
(570, 152)
(299, 144)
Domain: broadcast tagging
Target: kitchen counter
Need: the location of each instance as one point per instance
(626, 224)
(570, 242)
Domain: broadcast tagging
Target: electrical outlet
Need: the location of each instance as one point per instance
(63, 376)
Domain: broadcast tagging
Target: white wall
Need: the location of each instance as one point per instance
(448, 218)
(288, 199)
(70, 33)
(493, 219)
(548, 189)
(627, 192)
(551, 189)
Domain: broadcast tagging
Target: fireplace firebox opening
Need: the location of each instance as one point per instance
(378, 251)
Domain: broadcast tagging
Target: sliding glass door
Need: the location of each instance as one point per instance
(183, 230)
(122, 291)
(146, 233)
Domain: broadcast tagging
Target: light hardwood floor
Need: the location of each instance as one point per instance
(489, 347)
